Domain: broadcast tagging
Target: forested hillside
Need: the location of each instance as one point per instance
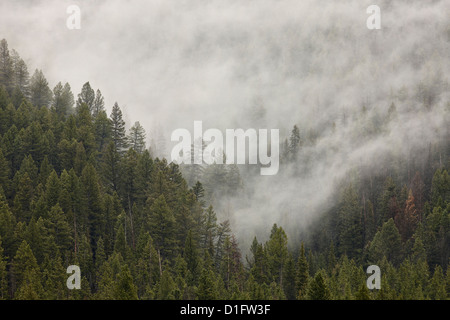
(78, 188)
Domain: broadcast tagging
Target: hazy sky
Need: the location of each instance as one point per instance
(170, 62)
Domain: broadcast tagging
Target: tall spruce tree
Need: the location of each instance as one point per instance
(87, 96)
(41, 95)
(136, 138)
(118, 135)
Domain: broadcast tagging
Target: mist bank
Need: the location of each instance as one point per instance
(259, 64)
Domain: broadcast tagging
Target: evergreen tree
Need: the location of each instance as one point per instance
(192, 258)
(98, 105)
(54, 277)
(207, 289)
(289, 279)
(4, 171)
(86, 96)
(102, 129)
(26, 274)
(166, 287)
(118, 129)
(387, 242)
(41, 95)
(277, 254)
(302, 276)
(60, 229)
(136, 138)
(93, 201)
(124, 288)
(209, 230)
(387, 202)
(106, 285)
(199, 192)
(162, 224)
(111, 167)
(62, 99)
(294, 143)
(350, 237)
(437, 287)
(3, 273)
(318, 289)
(6, 66)
(363, 293)
(21, 74)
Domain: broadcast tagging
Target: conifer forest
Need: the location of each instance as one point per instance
(87, 179)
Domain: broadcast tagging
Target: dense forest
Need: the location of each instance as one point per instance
(78, 188)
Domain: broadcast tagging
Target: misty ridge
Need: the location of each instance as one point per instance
(360, 98)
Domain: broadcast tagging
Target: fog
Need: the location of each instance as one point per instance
(256, 64)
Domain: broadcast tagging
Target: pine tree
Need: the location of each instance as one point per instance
(93, 200)
(98, 105)
(350, 237)
(207, 289)
(230, 264)
(128, 186)
(166, 287)
(387, 206)
(440, 187)
(162, 224)
(26, 274)
(136, 138)
(363, 293)
(52, 189)
(6, 66)
(21, 74)
(209, 230)
(54, 277)
(199, 192)
(3, 273)
(60, 229)
(87, 96)
(318, 289)
(302, 276)
(111, 167)
(62, 99)
(100, 255)
(118, 129)
(277, 254)
(294, 143)
(106, 284)
(437, 288)
(259, 265)
(4, 172)
(124, 288)
(7, 227)
(147, 268)
(41, 95)
(192, 259)
(22, 200)
(289, 279)
(387, 242)
(102, 129)
(418, 192)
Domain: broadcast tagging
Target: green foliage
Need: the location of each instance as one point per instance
(318, 289)
(76, 189)
(386, 243)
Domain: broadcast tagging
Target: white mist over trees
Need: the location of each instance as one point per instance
(357, 96)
